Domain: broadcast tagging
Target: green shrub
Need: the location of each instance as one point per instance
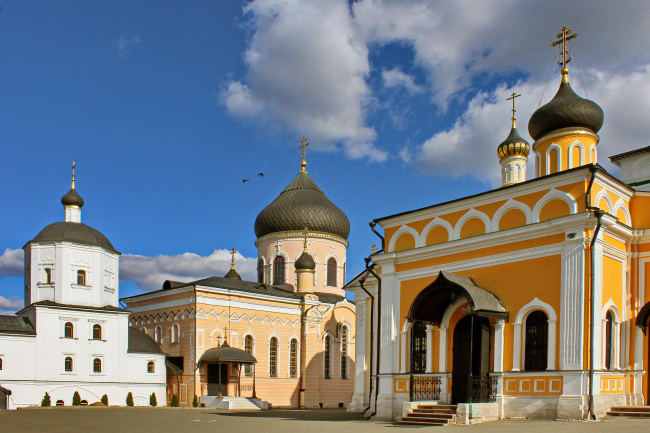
(105, 399)
(152, 400)
(129, 399)
(76, 399)
(174, 402)
(46, 402)
(195, 402)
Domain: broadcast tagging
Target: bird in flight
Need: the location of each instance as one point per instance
(244, 180)
(261, 175)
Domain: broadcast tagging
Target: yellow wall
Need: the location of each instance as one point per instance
(405, 241)
(511, 219)
(437, 235)
(472, 227)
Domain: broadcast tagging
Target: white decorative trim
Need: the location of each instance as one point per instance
(620, 205)
(436, 222)
(550, 196)
(403, 230)
(603, 194)
(578, 144)
(519, 355)
(616, 335)
(548, 159)
(471, 214)
(510, 205)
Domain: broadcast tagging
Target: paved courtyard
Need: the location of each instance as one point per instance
(180, 420)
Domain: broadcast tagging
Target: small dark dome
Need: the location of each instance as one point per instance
(140, 342)
(302, 204)
(72, 198)
(305, 261)
(233, 275)
(565, 110)
(513, 145)
(77, 233)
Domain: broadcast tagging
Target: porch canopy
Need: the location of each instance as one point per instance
(643, 317)
(225, 353)
(430, 304)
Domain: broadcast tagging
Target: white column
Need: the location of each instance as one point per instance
(550, 361)
(429, 367)
(498, 345)
(442, 355)
(617, 346)
(572, 305)
(404, 345)
(516, 348)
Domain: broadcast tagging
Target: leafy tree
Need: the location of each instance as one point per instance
(174, 402)
(105, 400)
(152, 400)
(46, 402)
(129, 399)
(76, 399)
(195, 402)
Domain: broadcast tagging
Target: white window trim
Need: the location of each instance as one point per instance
(92, 362)
(74, 364)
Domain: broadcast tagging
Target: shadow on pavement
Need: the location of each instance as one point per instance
(298, 414)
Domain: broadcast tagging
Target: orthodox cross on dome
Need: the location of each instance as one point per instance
(564, 37)
(373, 249)
(74, 164)
(225, 334)
(305, 232)
(277, 246)
(514, 118)
(305, 143)
(232, 252)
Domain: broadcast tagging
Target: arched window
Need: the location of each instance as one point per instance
(273, 357)
(158, 335)
(293, 358)
(97, 332)
(48, 276)
(327, 358)
(68, 330)
(68, 363)
(176, 333)
(536, 341)
(248, 347)
(260, 271)
(331, 272)
(0, 363)
(418, 347)
(97, 365)
(609, 339)
(344, 352)
(151, 367)
(81, 278)
(278, 270)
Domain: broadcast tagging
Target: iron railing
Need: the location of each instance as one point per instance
(424, 388)
(483, 389)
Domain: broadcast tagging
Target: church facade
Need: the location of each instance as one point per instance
(294, 320)
(72, 336)
(530, 300)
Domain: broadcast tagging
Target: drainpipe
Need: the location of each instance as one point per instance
(372, 225)
(301, 382)
(598, 213)
(372, 307)
(378, 358)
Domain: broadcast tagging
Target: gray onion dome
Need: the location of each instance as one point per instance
(305, 261)
(72, 198)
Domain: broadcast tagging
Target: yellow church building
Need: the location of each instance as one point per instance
(530, 300)
(286, 340)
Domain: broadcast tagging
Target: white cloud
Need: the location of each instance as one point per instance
(124, 44)
(396, 78)
(9, 306)
(11, 263)
(149, 273)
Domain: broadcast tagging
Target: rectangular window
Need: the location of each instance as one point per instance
(344, 352)
(48, 276)
(293, 358)
(81, 278)
(328, 358)
(273, 357)
(248, 347)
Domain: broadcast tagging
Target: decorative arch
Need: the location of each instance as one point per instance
(538, 164)
(554, 194)
(548, 158)
(279, 260)
(471, 214)
(593, 154)
(602, 195)
(615, 335)
(582, 154)
(158, 334)
(436, 222)
(219, 335)
(620, 206)
(510, 205)
(176, 333)
(535, 304)
(403, 230)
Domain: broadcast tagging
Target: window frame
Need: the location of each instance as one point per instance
(539, 346)
(279, 265)
(48, 275)
(260, 271)
(327, 357)
(68, 359)
(68, 326)
(151, 367)
(248, 368)
(273, 357)
(418, 347)
(81, 276)
(97, 336)
(331, 274)
(97, 360)
(345, 333)
(609, 340)
(293, 358)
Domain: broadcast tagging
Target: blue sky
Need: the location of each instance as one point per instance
(166, 105)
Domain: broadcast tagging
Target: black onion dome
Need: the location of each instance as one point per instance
(78, 233)
(305, 261)
(302, 204)
(233, 275)
(513, 145)
(72, 198)
(565, 110)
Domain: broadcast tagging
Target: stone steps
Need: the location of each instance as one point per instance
(634, 411)
(431, 414)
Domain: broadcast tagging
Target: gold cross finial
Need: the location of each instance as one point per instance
(373, 249)
(232, 252)
(305, 232)
(514, 118)
(225, 334)
(73, 166)
(304, 142)
(564, 37)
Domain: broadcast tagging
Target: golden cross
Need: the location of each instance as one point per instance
(305, 143)
(373, 249)
(73, 166)
(305, 232)
(225, 334)
(232, 266)
(563, 38)
(513, 96)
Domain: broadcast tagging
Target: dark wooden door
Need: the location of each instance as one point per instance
(471, 355)
(215, 383)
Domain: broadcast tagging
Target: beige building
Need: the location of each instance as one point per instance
(295, 321)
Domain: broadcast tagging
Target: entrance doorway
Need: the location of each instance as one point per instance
(217, 379)
(471, 355)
